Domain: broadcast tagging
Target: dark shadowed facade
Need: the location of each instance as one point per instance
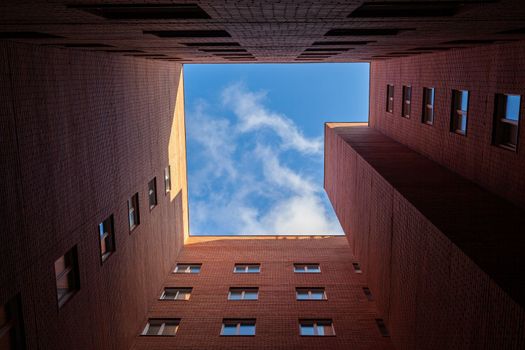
(94, 244)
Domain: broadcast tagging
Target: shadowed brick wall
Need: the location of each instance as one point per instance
(277, 311)
(443, 256)
(484, 71)
(80, 133)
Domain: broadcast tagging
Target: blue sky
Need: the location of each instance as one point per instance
(255, 144)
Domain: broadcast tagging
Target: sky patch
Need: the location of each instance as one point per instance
(255, 144)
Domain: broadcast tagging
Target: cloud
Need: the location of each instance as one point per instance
(253, 115)
(216, 146)
(243, 184)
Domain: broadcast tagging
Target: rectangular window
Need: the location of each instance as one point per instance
(310, 293)
(247, 268)
(133, 211)
(506, 121)
(368, 293)
(390, 98)
(167, 179)
(382, 327)
(428, 106)
(244, 327)
(458, 117)
(11, 326)
(67, 277)
(306, 268)
(313, 328)
(107, 238)
(152, 193)
(187, 268)
(357, 267)
(407, 98)
(176, 294)
(161, 327)
(243, 293)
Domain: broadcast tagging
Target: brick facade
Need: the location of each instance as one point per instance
(444, 254)
(80, 133)
(484, 72)
(277, 312)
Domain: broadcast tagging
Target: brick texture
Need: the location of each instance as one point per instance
(483, 71)
(444, 254)
(80, 133)
(272, 31)
(277, 312)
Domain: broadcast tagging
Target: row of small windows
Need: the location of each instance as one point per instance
(244, 293)
(505, 119)
(66, 267)
(247, 268)
(239, 327)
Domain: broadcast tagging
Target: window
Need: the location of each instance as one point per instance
(245, 327)
(407, 97)
(187, 268)
(390, 98)
(167, 179)
(428, 106)
(310, 293)
(67, 277)
(357, 267)
(458, 122)
(243, 293)
(152, 193)
(247, 268)
(368, 293)
(161, 327)
(11, 326)
(176, 294)
(306, 268)
(107, 238)
(382, 327)
(506, 121)
(133, 212)
(312, 328)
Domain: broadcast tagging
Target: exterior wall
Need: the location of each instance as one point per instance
(276, 312)
(443, 256)
(269, 31)
(484, 71)
(80, 133)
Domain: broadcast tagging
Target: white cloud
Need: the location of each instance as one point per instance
(226, 192)
(216, 139)
(253, 115)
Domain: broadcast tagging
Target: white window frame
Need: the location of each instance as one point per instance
(179, 291)
(245, 268)
(459, 115)
(316, 325)
(167, 179)
(243, 291)
(310, 291)
(304, 268)
(428, 108)
(187, 269)
(238, 324)
(407, 102)
(161, 329)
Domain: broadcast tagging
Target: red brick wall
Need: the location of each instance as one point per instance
(277, 312)
(434, 274)
(484, 71)
(80, 133)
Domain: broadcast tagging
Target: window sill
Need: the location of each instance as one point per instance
(105, 257)
(508, 148)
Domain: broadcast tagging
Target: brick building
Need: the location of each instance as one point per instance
(430, 193)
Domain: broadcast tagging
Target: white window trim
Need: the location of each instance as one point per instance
(316, 329)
